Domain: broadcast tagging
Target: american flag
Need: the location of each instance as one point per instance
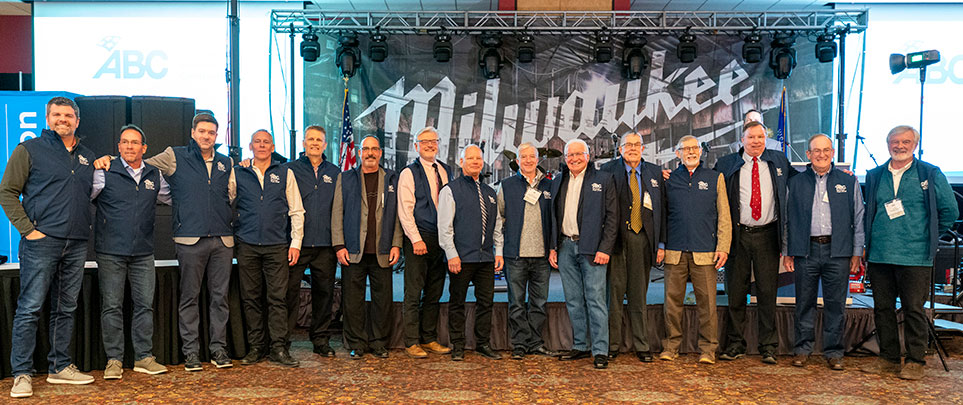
(348, 156)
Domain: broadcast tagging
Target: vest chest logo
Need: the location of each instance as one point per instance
(82, 160)
(778, 171)
(491, 199)
(596, 187)
(925, 184)
(654, 182)
(275, 178)
(391, 188)
(148, 185)
(840, 188)
(547, 195)
(220, 166)
(326, 178)
(703, 185)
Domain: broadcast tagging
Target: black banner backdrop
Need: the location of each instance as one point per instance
(562, 95)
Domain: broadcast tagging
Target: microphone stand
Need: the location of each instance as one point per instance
(862, 140)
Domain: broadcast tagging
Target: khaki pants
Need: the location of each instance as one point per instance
(704, 284)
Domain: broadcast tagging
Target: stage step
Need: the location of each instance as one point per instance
(945, 326)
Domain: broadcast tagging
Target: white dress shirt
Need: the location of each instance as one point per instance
(572, 196)
(745, 193)
(406, 196)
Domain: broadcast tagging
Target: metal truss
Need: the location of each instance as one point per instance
(566, 22)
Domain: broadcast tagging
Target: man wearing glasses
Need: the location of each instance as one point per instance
(425, 268)
(639, 187)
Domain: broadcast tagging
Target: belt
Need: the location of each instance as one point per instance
(822, 240)
(572, 238)
(752, 229)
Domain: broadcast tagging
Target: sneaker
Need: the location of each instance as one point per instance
(518, 353)
(149, 365)
(732, 354)
(220, 359)
(769, 358)
(192, 362)
(70, 375)
(416, 352)
(114, 370)
(835, 363)
(601, 361)
(707, 358)
(255, 355)
(882, 367)
(22, 386)
(668, 356)
(912, 371)
(800, 360)
(437, 348)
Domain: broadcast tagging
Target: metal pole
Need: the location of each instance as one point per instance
(294, 132)
(840, 131)
(920, 130)
(234, 79)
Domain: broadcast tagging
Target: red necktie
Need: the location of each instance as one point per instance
(755, 202)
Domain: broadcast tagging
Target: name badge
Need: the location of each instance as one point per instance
(825, 197)
(531, 196)
(894, 208)
(647, 201)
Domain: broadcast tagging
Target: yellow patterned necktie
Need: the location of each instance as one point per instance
(636, 203)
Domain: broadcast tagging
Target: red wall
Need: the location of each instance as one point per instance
(16, 46)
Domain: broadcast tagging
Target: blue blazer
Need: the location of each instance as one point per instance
(779, 172)
(654, 185)
(598, 211)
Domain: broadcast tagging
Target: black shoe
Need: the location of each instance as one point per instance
(518, 353)
(613, 354)
(732, 354)
(769, 358)
(192, 362)
(280, 355)
(356, 354)
(601, 361)
(324, 350)
(457, 354)
(575, 355)
(799, 360)
(380, 353)
(835, 363)
(541, 350)
(220, 359)
(487, 351)
(645, 357)
(254, 356)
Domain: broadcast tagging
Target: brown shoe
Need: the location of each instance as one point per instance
(416, 352)
(881, 366)
(435, 347)
(835, 363)
(912, 371)
(799, 360)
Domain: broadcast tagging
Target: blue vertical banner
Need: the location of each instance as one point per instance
(23, 115)
(781, 131)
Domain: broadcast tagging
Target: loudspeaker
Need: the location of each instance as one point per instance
(165, 120)
(101, 118)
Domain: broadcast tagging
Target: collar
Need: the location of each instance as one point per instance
(127, 166)
(748, 159)
(426, 163)
(889, 166)
(538, 177)
(638, 167)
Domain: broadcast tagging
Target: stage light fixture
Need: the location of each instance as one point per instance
(526, 48)
(915, 60)
(348, 56)
(687, 50)
(378, 47)
(634, 58)
(442, 49)
(603, 47)
(752, 48)
(782, 57)
(826, 47)
(310, 48)
(489, 58)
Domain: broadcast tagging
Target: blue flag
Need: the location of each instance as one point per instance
(781, 134)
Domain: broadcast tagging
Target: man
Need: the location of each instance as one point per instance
(908, 205)
(756, 183)
(824, 243)
(53, 174)
(639, 187)
(469, 231)
(752, 115)
(585, 218)
(267, 197)
(697, 246)
(316, 178)
(126, 197)
(202, 188)
(524, 209)
(418, 188)
(367, 238)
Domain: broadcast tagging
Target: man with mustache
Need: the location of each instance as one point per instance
(53, 174)
(909, 204)
(367, 239)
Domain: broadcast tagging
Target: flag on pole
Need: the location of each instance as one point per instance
(348, 157)
(781, 135)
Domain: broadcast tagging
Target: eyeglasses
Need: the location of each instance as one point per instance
(824, 151)
(428, 141)
(575, 155)
(370, 149)
(632, 145)
(126, 142)
(690, 148)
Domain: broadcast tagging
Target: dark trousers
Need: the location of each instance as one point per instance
(628, 275)
(424, 284)
(757, 254)
(208, 257)
(482, 276)
(371, 333)
(526, 319)
(263, 268)
(323, 265)
(911, 284)
(833, 272)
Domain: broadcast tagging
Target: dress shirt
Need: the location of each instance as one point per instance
(897, 175)
(822, 220)
(638, 177)
(295, 206)
(163, 196)
(406, 196)
(446, 225)
(745, 193)
(572, 196)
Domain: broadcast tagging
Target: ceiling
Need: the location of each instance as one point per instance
(14, 7)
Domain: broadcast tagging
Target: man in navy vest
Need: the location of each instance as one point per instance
(639, 187)
(367, 238)
(909, 204)
(418, 187)
(824, 242)
(126, 197)
(53, 174)
(756, 183)
(699, 231)
(268, 242)
(316, 178)
(202, 188)
(525, 211)
(469, 229)
(585, 226)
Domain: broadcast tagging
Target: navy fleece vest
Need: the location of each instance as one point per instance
(351, 191)
(262, 213)
(693, 217)
(202, 206)
(125, 211)
(426, 214)
(57, 194)
(514, 189)
(839, 187)
(317, 196)
(468, 225)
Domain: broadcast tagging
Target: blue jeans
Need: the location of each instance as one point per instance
(833, 272)
(584, 284)
(114, 272)
(527, 274)
(51, 265)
